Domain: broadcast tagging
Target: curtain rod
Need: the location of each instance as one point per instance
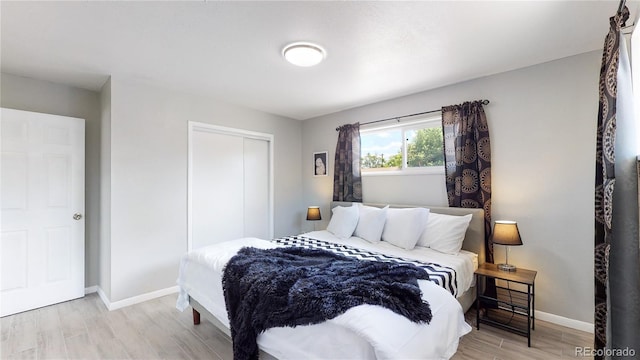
(625, 29)
(484, 102)
(621, 6)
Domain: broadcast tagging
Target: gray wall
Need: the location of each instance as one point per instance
(46, 97)
(136, 182)
(105, 189)
(148, 177)
(542, 122)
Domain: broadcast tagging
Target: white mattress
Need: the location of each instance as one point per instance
(339, 338)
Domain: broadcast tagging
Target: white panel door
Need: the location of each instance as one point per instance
(216, 188)
(42, 202)
(256, 188)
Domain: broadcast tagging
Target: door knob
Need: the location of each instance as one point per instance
(77, 216)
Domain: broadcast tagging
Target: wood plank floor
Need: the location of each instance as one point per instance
(84, 329)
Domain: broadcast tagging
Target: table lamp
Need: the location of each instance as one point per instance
(505, 232)
(313, 214)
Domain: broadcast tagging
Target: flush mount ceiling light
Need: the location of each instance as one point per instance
(304, 54)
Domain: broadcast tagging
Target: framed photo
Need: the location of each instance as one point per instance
(320, 163)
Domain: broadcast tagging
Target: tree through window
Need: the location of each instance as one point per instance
(417, 145)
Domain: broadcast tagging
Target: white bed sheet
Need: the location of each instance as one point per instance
(346, 334)
(465, 263)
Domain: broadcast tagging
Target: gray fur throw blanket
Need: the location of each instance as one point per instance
(292, 286)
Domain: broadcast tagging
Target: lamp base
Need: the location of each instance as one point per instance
(506, 267)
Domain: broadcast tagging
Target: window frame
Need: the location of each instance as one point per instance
(420, 123)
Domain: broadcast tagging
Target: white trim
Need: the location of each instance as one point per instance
(540, 315)
(192, 127)
(563, 321)
(198, 126)
(135, 299)
(103, 297)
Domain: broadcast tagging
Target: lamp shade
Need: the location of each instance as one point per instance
(506, 232)
(313, 213)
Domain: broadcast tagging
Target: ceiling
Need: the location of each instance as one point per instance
(231, 51)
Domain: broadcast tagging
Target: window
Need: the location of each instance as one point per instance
(414, 147)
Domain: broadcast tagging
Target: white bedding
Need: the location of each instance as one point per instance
(363, 332)
(465, 263)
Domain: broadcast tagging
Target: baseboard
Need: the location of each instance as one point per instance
(541, 315)
(103, 297)
(135, 299)
(563, 321)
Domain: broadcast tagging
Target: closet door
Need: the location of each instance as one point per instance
(230, 185)
(217, 188)
(256, 188)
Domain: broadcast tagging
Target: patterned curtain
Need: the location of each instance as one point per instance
(347, 182)
(468, 161)
(605, 176)
(616, 207)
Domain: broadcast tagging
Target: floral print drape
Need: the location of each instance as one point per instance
(347, 182)
(467, 154)
(605, 174)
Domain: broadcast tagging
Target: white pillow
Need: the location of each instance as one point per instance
(404, 226)
(371, 223)
(343, 221)
(445, 233)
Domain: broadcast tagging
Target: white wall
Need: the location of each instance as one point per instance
(149, 178)
(28, 94)
(542, 121)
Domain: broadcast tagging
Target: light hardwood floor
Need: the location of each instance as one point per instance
(84, 329)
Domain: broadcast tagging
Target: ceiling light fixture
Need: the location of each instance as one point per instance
(304, 54)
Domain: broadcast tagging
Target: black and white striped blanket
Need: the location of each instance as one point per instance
(442, 275)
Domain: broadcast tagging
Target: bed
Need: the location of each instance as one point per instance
(363, 332)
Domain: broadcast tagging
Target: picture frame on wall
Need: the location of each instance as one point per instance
(321, 163)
